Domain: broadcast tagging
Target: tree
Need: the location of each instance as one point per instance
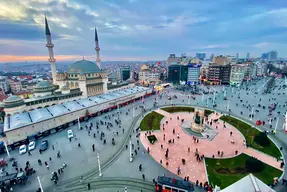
(253, 165)
(262, 139)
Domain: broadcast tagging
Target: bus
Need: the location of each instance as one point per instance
(167, 184)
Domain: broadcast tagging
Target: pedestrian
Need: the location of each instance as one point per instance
(47, 166)
(93, 146)
(81, 178)
(29, 153)
(50, 158)
(143, 176)
(89, 186)
(59, 171)
(53, 147)
(140, 167)
(230, 133)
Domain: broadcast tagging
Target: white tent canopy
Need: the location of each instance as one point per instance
(248, 184)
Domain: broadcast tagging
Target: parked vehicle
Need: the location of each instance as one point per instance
(44, 145)
(22, 149)
(3, 162)
(70, 134)
(32, 145)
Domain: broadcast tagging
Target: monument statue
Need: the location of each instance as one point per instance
(197, 124)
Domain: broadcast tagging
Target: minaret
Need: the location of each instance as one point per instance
(50, 46)
(97, 48)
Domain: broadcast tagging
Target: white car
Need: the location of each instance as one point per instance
(32, 145)
(22, 149)
(70, 134)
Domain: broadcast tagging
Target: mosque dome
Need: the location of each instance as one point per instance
(13, 98)
(13, 101)
(65, 88)
(45, 86)
(83, 66)
(130, 80)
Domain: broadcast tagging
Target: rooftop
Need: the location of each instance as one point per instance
(31, 117)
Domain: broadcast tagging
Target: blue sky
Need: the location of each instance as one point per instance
(142, 29)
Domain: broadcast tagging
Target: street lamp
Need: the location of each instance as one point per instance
(131, 157)
(79, 124)
(40, 184)
(227, 106)
(7, 150)
(252, 111)
(99, 164)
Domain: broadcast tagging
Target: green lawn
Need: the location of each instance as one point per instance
(151, 121)
(207, 112)
(178, 109)
(249, 134)
(225, 179)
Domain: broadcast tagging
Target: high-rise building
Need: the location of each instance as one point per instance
(220, 60)
(272, 56)
(172, 59)
(237, 74)
(211, 57)
(4, 84)
(201, 56)
(193, 74)
(177, 73)
(125, 72)
(219, 74)
(149, 75)
(248, 56)
(261, 68)
(250, 72)
(264, 56)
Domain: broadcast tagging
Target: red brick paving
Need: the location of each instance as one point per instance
(179, 150)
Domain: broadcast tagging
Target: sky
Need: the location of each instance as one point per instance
(141, 29)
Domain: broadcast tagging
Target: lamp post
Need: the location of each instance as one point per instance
(79, 124)
(7, 150)
(40, 184)
(252, 111)
(227, 106)
(276, 125)
(99, 164)
(131, 157)
(213, 102)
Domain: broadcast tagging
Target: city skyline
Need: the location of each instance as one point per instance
(132, 30)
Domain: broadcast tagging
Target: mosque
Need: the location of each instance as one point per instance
(83, 79)
(86, 75)
(74, 96)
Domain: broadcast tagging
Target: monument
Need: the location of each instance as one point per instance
(197, 124)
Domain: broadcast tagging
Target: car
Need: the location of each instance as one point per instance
(22, 149)
(32, 145)
(44, 145)
(70, 134)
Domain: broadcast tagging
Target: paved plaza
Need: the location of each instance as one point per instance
(81, 160)
(178, 150)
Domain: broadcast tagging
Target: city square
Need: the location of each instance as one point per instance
(115, 159)
(143, 96)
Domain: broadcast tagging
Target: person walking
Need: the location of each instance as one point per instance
(93, 146)
(89, 186)
(143, 176)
